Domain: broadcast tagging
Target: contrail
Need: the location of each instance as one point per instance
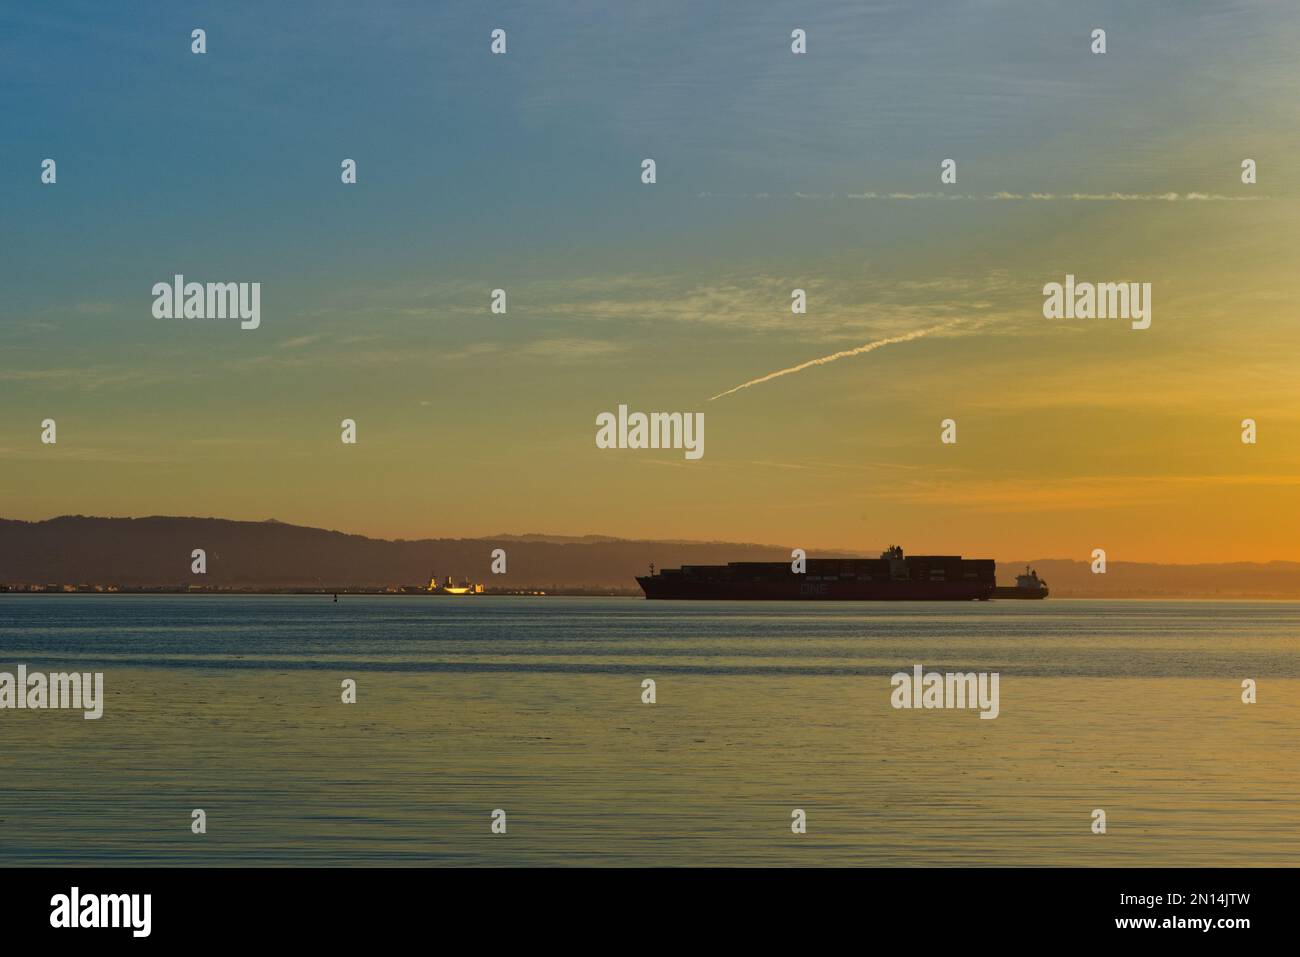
(869, 347)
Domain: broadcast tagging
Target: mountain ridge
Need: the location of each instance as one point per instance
(155, 551)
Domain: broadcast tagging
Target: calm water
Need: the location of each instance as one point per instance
(534, 706)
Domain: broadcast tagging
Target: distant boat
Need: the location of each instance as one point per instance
(1028, 585)
(449, 588)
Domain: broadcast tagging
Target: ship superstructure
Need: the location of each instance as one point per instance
(1028, 585)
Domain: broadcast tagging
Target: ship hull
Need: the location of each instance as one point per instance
(1009, 591)
(794, 590)
(889, 578)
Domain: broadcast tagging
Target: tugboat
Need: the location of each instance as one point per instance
(1028, 585)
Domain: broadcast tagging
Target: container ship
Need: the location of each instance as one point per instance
(891, 577)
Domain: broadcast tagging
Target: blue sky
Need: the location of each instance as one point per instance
(522, 171)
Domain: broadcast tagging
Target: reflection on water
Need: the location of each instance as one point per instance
(534, 705)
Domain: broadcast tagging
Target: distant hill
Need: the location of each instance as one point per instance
(155, 551)
(1071, 579)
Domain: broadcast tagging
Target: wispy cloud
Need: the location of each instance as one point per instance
(570, 348)
(71, 453)
(298, 342)
(88, 379)
(851, 308)
(1002, 196)
(1009, 494)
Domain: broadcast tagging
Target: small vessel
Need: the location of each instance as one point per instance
(450, 588)
(1028, 585)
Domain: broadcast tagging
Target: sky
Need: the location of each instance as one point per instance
(775, 171)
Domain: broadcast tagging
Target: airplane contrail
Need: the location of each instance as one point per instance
(869, 347)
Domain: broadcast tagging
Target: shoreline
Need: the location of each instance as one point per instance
(67, 591)
(602, 593)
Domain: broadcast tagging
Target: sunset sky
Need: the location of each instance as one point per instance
(775, 171)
